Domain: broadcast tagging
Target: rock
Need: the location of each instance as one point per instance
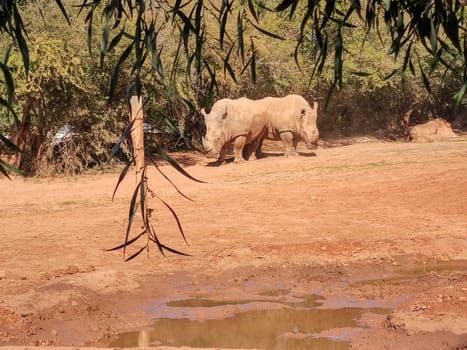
(433, 130)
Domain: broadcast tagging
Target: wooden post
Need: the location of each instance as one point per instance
(137, 134)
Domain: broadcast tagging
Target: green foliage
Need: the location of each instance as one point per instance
(184, 55)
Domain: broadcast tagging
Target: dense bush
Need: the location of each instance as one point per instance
(68, 86)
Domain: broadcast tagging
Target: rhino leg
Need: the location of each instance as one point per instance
(259, 149)
(221, 158)
(289, 143)
(239, 144)
(251, 150)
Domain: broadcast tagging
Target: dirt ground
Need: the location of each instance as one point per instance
(357, 220)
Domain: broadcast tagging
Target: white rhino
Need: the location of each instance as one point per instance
(290, 119)
(240, 121)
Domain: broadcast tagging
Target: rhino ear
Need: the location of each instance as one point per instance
(226, 112)
(302, 114)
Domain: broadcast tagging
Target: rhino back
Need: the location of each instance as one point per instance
(283, 113)
(245, 117)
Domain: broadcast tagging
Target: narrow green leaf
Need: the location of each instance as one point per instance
(329, 9)
(338, 63)
(408, 54)
(460, 94)
(426, 82)
(5, 104)
(451, 28)
(122, 176)
(247, 65)
(360, 73)
(411, 67)
(152, 236)
(23, 47)
(390, 75)
(175, 165)
(177, 7)
(4, 171)
(323, 55)
(433, 36)
(11, 168)
(227, 65)
(10, 85)
(272, 35)
(117, 69)
(62, 8)
(134, 239)
(292, 9)
(135, 254)
(229, 68)
(222, 29)
(104, 41)
(186, 21)
(10, 144)
(253, 66)
(251, 7)
(174, 214)
(116, 40)
(174, 250)
(284, 5)
(241, 46)
(131, 214)
(7, 54)
(170, 181)
(142, 197)
(88, 20)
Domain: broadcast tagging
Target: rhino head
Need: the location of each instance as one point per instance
(214, 140)
(308, 127)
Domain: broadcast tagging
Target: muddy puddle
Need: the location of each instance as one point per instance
(270, 319)
(282, 322)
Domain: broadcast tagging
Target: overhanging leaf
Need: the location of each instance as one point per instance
(23, 47)
(174, 164)
(122, 176)
(11, 168)
(134, 239)
(252, 10)
(241, 46)
(4, 172)
(460, 94)
(451, 28)
(123, 138)
(174, 214)
(9, 82)
(170, 181)
(135, 254)
(9, 144)
(426, 82)
(62, 8)
(117, 69)
(272, 35)
(163, 246)
(284, 5)
(131, 214)
(116, 40)
(360, 73)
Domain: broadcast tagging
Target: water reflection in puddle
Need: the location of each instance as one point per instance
(278, 324)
